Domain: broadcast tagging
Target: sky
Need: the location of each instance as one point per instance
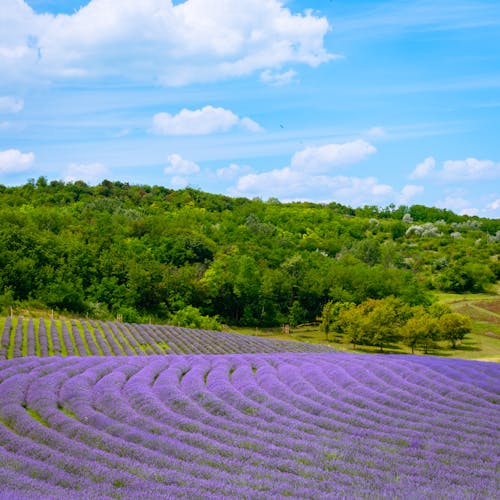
(356, 102)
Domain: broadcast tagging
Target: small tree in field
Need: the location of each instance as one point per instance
(330, 316)
(454, 327)
(354, 326)
(374, 322)
(421, 332)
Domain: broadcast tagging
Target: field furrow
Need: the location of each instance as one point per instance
(305, 425)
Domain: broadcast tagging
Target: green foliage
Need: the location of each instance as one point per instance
(331, 317)
(454, 327)
(375, 322)
(147, 251)
(468, 277)
(421, 331)
(190, 317)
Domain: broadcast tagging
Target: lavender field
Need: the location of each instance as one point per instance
(77, 337)
(269, 425)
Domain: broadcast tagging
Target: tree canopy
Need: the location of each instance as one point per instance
(148, 251)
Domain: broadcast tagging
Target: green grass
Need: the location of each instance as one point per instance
(64, 350)
(483, 343)
(37, 338)
(91, 331)
(35, 416)
(3, 341)
(24, 348)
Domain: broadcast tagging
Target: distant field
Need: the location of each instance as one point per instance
(483, 343)
(59, 337)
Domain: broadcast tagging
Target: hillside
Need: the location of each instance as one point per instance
(150, 253)
(27, 337)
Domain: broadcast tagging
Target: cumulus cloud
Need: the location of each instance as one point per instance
(458, 204)
(155, 40)
(408, 193)
(9, 104)
(91, 173)
(276, 78)
(180, 169)
(494, 205)
(179, 166)
(308, 177)
(12, 161)
(207, 120)
(470, 169)
(322, 159)
(288, 184)
(232, 172)
(424, 169)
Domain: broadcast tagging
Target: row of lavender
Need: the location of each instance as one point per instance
(250, 426)
(28, 337)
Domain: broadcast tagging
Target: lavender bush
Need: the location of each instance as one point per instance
(83, 338)
(269, 425)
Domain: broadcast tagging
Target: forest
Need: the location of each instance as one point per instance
(146, 253)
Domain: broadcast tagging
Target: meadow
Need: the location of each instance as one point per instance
(482, 343)
(254, 422)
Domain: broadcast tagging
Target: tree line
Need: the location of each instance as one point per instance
(146, 252)
(384, 322)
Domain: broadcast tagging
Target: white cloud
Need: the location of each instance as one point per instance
(178, 182)
(408, 193)
(122, 133)
(9, 104)
(5, 125)
(249, 124)
(91, 173)
(288, 184)
(12, 160)
(154, 40)
(232, 172)
(323, 158)
(376, 132)
(207, 120)
(457, 204)
(277, 79)
(180, 169)
(424, 169)
(494, 205)
(470, 169)
(179, 166)
(307, 178)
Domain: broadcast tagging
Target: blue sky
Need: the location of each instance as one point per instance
(359, 102)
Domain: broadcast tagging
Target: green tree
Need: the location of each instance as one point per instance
(375, 322)
(191, 317)
(454, 327)
(331, 317)
(354, 324)
(421, 331)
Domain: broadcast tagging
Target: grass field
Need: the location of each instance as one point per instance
(483, 343)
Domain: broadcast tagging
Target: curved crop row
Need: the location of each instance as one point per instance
(249, 426)
(28, 337)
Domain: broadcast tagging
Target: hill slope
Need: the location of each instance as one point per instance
(28, 337)
(149, 252)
